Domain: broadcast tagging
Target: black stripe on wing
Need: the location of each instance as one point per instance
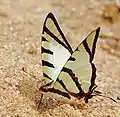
(87, 49)
(43, 39)
(74, 78)
(93, 77)
(45, 75)
(44, 50)
(51, 16)
(71, 59)
(55, 38)
(46, 88)
(94, 43)
(48, 64)
(86, 46)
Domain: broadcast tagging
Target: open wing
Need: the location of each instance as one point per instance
(55, 49)
(77, 77)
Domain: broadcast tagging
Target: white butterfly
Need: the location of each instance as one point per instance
(67, 73)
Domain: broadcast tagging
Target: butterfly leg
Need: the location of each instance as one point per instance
(39, 102)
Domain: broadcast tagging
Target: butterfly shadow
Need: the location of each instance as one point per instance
(47, 104)
(51, 104)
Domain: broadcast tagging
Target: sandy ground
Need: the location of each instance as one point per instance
(20, 28)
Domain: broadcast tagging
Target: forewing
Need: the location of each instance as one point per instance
(55, 49)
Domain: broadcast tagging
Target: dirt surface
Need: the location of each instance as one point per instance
(20, 63)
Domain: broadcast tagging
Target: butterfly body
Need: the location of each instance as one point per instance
(67, 74)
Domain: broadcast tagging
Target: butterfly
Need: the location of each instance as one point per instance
(67, 73)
